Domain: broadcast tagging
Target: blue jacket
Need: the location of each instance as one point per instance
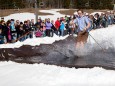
(62, 26)
(12, 26)
(1, 39)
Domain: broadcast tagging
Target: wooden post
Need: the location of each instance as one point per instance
(36, 11)
(114, 8)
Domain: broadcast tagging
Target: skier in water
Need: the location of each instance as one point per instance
(83, 24)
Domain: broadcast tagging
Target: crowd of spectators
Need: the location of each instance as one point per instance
(14, 30)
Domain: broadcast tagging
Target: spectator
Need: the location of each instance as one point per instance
(21, 32)
(12, 25)
(43, 29)
(103, 20)
(39, 32)
(112, 16)
(91, 18)
(1, 36)
(48, 27)
(17, 27)
(109, 19)
(53, 26)
(26, 29)
(62, 26)
(57, 25)
(8, 28)
(97, 20)
(38, 23)
(71, 26)
(32, 25)
(13, 30)
(4, 29)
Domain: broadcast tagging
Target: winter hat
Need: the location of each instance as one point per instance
(21, 22)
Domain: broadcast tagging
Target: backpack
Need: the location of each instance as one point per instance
(38, 33)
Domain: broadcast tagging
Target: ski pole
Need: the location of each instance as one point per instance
(97, 42)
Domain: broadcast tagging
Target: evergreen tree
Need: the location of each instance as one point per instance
(79, 4)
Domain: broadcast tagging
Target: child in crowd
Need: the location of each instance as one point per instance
(43, 29)
(39, 32)
(62, 27)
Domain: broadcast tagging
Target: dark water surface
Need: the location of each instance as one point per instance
(61, 53)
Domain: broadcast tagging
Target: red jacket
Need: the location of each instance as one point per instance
(57, 24)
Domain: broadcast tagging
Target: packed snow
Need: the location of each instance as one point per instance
(14, 74)
(104, 36)
(34, 41)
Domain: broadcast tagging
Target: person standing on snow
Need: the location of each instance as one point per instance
(57, 26)
(48, 27)
(9, 37)
(1, 36)
(71, 26)
(62, 26)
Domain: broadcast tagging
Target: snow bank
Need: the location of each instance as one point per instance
(104, 36)
(14, 74)
(34, 41)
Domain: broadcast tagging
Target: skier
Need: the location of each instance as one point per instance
(83, 25)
